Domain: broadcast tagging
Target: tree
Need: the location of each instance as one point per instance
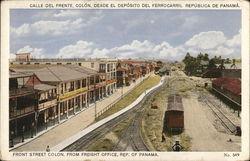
(205, 57)
(211, 64)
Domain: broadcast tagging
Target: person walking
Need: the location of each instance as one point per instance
(163, 137)
(177, 147)
(47, 149)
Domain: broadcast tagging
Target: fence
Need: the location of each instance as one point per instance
(118, 99)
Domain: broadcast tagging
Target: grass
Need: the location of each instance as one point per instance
(152, 122)
(106, 143)
(131, 97)
(120, 127)
(102, 145)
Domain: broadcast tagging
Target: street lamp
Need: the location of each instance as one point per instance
(95, 98)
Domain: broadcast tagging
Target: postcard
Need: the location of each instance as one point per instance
(125, 80)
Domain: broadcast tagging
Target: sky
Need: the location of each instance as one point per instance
(153, 34)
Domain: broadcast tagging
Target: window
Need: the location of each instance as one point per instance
(102, 68)
(108, 67)
(71, 86)
(61, 88)
(78, 84)
(84, 83)
(92, 65)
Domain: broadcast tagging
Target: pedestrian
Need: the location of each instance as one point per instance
(23, 129)
(12, 138)
(47, 149)
(177, 147)
(163, 137)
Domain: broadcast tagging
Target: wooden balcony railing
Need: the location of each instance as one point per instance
(19, 112)
(21, 91)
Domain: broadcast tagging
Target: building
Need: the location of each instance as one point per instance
(22, 105)
(23, 57)
(129, 70)
(230, 70)
(106, 67)
(165, 70)
(228, 88)
(46, 110)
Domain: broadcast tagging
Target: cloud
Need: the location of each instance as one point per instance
(35, 52)
(211, 42)
(12, 56)
(136, 49)
(207, 40)
(235, 41)
(22, 30)
(49, 28)
(214, 43)
(81, 49)
(62, 23)
(67, 13)
(190, 21)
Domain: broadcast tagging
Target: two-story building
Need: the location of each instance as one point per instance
(106, 67)
(22, 104)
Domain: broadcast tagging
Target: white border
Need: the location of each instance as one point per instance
(244, 154)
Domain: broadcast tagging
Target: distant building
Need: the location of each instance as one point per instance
(230, 70)
(229, 88)
(129, 70)
(23, 57)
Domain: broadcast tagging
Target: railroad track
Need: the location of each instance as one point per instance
(132, 136)
(83, 143)
(228, 124)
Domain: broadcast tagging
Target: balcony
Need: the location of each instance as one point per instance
(23, 111)
(47, 104)
(21, 91)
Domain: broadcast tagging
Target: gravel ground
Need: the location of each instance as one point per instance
(199, 126)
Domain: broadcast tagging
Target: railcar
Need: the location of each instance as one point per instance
(174, 115)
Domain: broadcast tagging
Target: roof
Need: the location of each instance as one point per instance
(175, 103)
(212, 73)
(120, 69)
(22, 53)
(231, 84)
(60, 73)
(82, 69)
(164, 69)
(16, 74)
(43, 87)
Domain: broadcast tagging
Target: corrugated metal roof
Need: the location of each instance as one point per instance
(175, 103)
(43, 87)
(83, 69)
(231, 84)
(60, 73)
(15, 74)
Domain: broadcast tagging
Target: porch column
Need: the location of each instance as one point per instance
(86, 102)
(67, 105)
(81, 101)
(74, 111)
(59, 113)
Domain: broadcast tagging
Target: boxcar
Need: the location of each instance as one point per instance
(174, 115)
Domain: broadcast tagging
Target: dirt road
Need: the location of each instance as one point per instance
(199, 127)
